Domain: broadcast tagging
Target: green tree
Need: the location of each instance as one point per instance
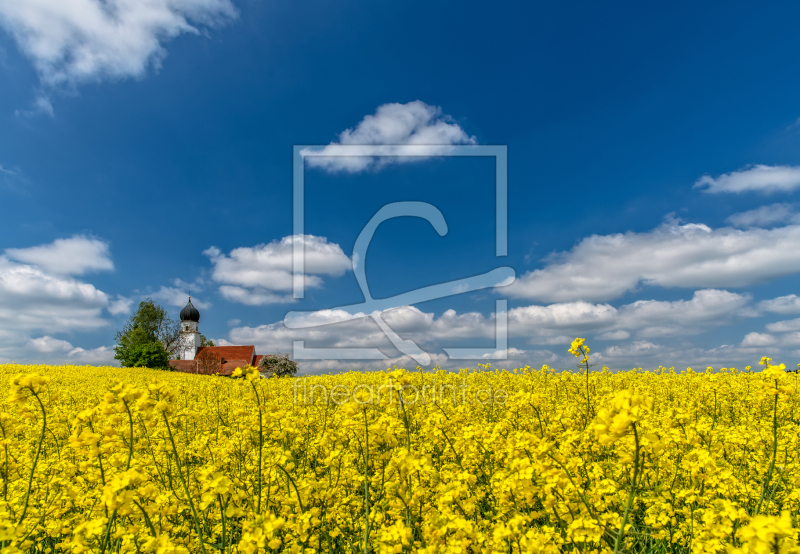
(149, 338)
(205, 342)
(143, 354)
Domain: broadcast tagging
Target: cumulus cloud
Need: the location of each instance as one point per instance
(41, 296)
(758, 339)
(784, 326)
(262, 274)
(765, 216)
(758, 178)
(559, 323)
(637, 350)
(403, 132)
(73, 256)
(672, 255)
(61, 351)
(177, 297)
(76, 41)
(709, 307)
(120, 306)
(779, 333)
(32, 299)
(789, 304)
(615, 335)
(48, 344)
(556, 324)
(102, 355)
(256, 296)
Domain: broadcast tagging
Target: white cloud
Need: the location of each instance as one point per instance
(556, 324)
(7, 171)
(784, 326)
(263, 274)
(73, 256)
(196, 286)
(559, 323)
(75, 41)
(102, 355)
(672, 255)
(760, 178)
(636, 349)
(709, 307)
(789, 304)
(758, 339)
(33, 299)
(177, 297)
(615, 335)
(406, 128)
(48, 344)
(41, 105)
(61, 351)
(721, 356)
(790, 339)
(256, 296)
(40, 297)
(765, 216)
(120, 306)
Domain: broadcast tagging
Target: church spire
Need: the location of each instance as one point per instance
(190, 336)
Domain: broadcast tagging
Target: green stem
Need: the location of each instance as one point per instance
(127, 467)
(774, 452)
(146, 518)
(366, 482)
(5, 468)
(631, 495)
(260, 444)
(296, 490)
(185, 488)
(222, 516)
(35, 459)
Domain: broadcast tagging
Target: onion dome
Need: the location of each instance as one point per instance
(189, 312)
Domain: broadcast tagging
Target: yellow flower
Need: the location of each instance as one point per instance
(481, 461)
(575, 348)
(765, 534)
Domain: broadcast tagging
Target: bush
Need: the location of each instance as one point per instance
(149, 354)
(278, 365)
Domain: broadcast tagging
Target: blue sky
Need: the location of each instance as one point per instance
(653, 162)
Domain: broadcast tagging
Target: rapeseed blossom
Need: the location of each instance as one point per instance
(133, 460)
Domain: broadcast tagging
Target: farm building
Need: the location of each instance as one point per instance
(208, 360)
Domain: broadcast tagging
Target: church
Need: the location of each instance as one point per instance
(208, 360)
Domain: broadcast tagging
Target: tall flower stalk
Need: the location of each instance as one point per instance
(579, 349)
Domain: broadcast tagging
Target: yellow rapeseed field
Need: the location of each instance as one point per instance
(103, 459)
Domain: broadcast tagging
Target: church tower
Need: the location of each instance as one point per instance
(190, 336)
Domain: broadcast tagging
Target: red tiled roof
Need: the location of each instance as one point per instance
(184, 366)
(229, 366)
(246, 353)
(257, 359)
